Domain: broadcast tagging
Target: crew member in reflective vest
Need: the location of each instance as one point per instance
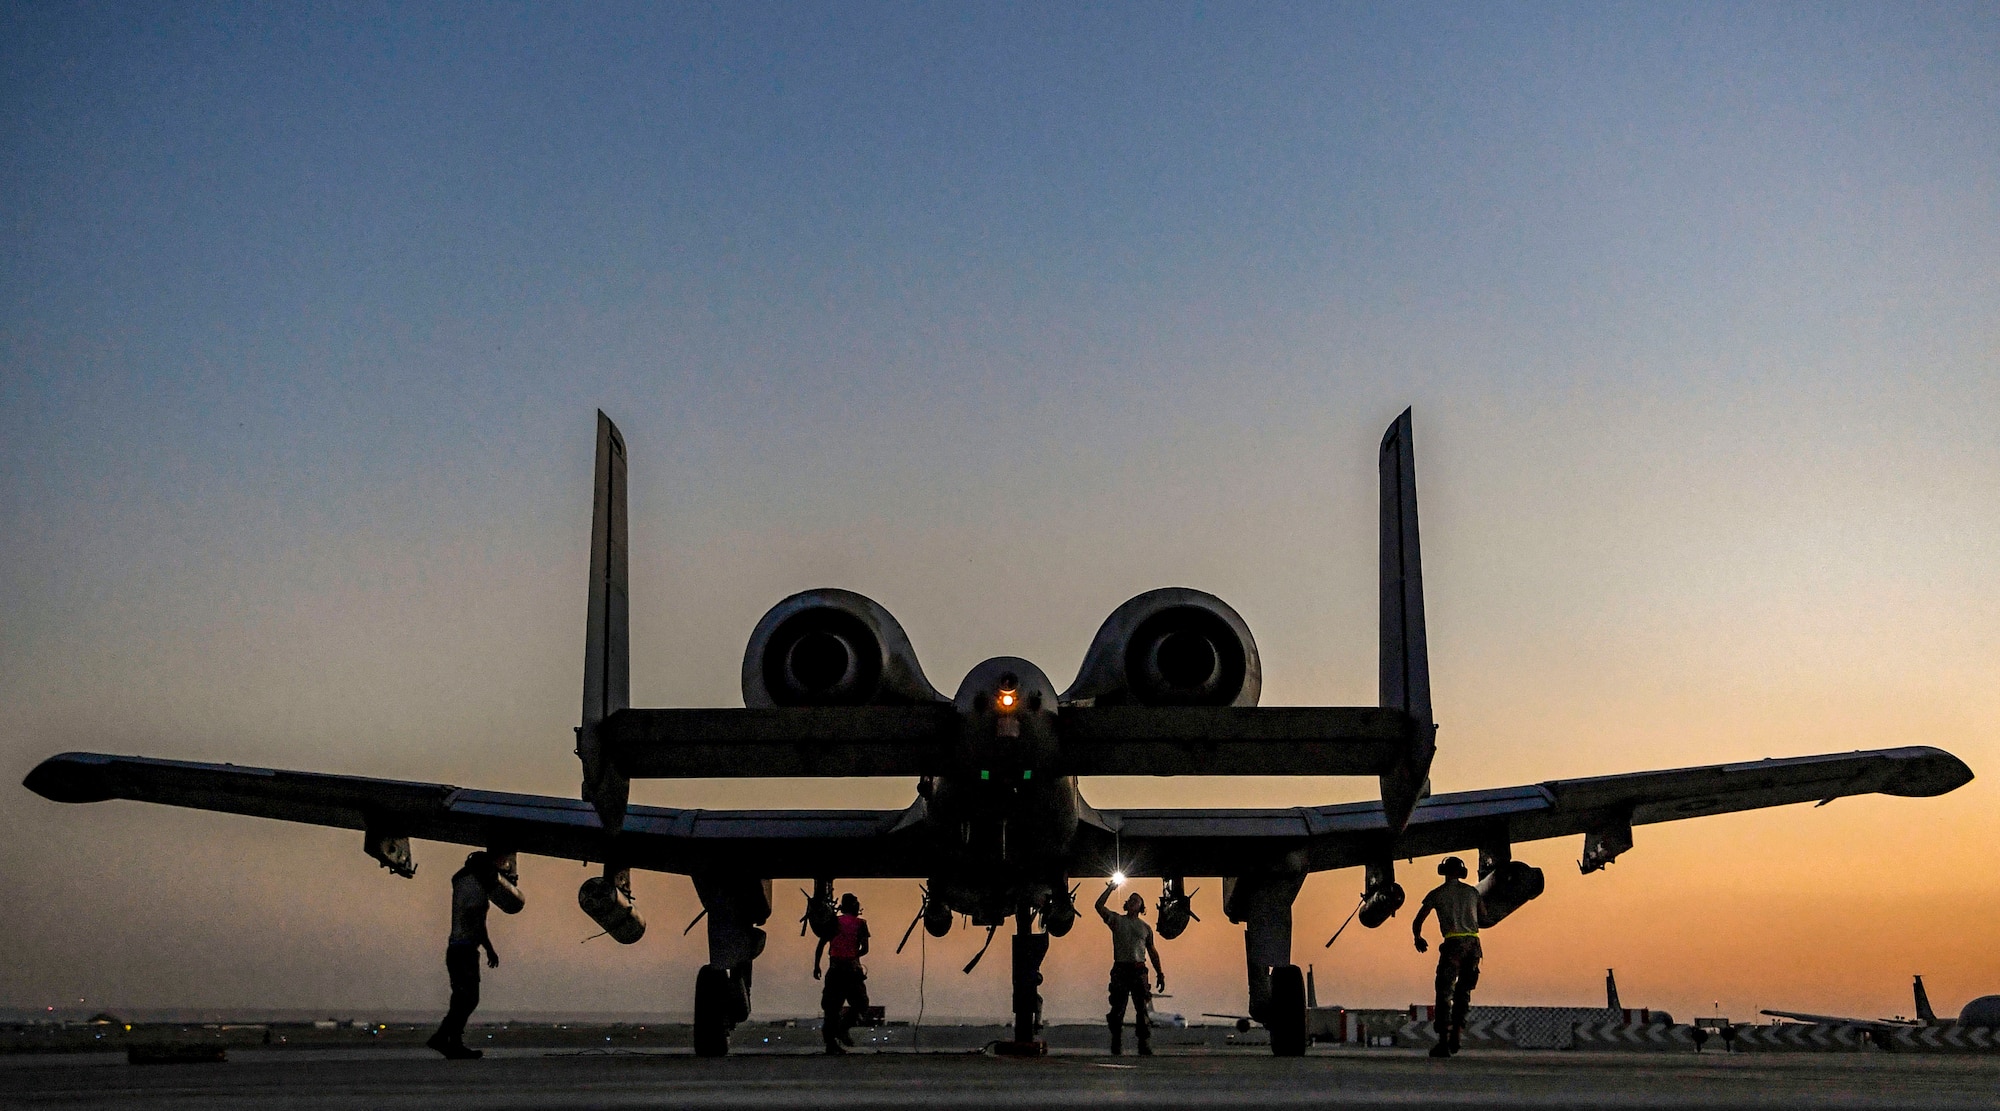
(843, 993)
(1131, 945)
(1457, 905)
(470, 887)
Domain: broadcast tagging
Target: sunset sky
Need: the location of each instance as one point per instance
(999, 315)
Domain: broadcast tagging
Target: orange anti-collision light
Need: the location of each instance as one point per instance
(1007, 700)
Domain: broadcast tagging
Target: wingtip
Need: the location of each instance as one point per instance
(71, 777)
(1928, 772)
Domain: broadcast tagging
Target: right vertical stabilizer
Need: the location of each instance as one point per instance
(607, 664)
(1405, 658)
(1924, 1013)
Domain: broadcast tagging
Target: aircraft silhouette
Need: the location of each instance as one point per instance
(1169, 686)
(1983, 1011)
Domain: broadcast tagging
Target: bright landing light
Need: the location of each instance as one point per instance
(1117, 879)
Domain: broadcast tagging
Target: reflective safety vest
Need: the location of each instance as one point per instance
(845, 944)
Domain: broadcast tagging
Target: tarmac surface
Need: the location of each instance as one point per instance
(402, 1078)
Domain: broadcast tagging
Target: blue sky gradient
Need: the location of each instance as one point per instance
(1001, 315)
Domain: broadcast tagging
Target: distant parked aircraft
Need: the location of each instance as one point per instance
(1983, 1011)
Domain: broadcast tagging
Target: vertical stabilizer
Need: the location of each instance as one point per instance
(1611, 990)
(1924, 1013)
(1406, 668)
(607, 664)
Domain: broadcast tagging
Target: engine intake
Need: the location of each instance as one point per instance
(1170, 647)
(832, 648)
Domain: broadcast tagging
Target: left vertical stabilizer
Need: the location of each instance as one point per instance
(1405, 655)
(607, 663)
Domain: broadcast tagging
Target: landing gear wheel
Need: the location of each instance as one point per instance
(1287, 1021)
(712, 1009)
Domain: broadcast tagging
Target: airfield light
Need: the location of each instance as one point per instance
(1117, 879)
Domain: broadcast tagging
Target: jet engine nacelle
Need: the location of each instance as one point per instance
(1504, 891)
(832, 648)
(607, 899)
(1170, 647)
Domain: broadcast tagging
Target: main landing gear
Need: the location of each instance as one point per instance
(1277, 986)
(736, 909)
(721, 1000)
(1287, 1017)
(1029, 950)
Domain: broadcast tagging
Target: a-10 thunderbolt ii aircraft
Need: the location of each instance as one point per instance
(831, 687)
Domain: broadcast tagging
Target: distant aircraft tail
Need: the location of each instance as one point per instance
(1611, 990)
(607, 661)
(1405, 658)
(1924, 1013)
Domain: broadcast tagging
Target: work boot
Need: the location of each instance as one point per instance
(1441, 1049)
(453, 1049)
(1145, 1031)
(835, 1049)
(1117, 1038)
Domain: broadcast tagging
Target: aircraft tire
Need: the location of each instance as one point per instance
(711, 1011)
(1288, 1011)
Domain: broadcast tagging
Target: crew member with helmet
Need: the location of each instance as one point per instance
(1457, 905)
(1131, 945)
(485, 879)
(843, 995)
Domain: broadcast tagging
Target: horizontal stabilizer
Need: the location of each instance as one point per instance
(922, 740)
(1231, 740)
(785, 742)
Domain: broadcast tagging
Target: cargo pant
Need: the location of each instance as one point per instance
(843, 994)
(461, 963)
(1457, 975)
(1128, 981)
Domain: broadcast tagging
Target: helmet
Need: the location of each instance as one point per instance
(1452, 866)
(849, 904)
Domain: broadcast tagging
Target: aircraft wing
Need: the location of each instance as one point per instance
(858, 843)
(1602, 808)
(889, 843)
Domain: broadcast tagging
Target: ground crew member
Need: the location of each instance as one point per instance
(1457, 906)
(469, 900)
(1131, 945)
(844, 994)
